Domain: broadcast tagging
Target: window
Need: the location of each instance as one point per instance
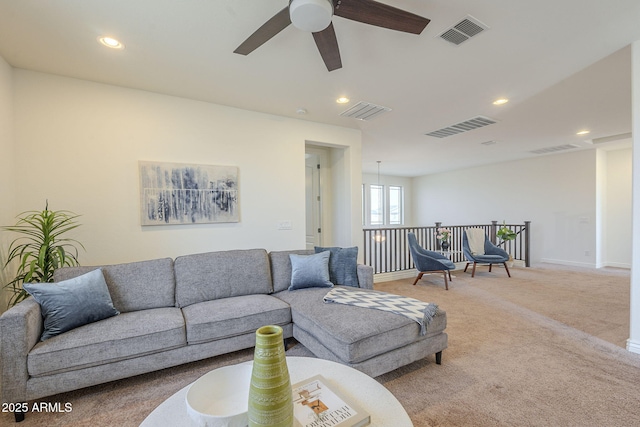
(376, 204)
(382, 205)
(395, 205)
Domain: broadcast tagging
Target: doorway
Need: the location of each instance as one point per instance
(313, 198)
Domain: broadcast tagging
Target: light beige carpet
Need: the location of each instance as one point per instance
(544, 348)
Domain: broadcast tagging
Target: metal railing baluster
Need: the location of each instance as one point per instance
(391, 253)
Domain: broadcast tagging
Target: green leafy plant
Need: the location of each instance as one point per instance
(505, 233)
(41, 249)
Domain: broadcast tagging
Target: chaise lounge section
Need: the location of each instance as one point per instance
(372, 341)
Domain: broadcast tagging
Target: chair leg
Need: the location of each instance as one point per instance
(490, 267)
(446, 284)
(418, 278)
(465, 267)
(449, 272)
(473, 273)
(507, 268)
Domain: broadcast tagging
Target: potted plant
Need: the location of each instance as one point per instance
(505, 233)
(41, 248)
(442, 234)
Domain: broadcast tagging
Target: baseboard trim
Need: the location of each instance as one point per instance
(586, 264)
(569, 263)
(618, 265)
(394, 275)
(633, 346)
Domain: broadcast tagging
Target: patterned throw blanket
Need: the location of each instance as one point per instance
(420, 311)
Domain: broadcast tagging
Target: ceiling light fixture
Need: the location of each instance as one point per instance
(342, 100)
(583, 132)
(500, 101)
(110, 42)
(311, 15)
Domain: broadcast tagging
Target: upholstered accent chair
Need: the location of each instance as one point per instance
(478, 249)
(429, 262)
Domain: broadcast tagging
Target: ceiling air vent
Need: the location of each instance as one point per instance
(467, 125)
(555, 149)
(364, 111)
(463, 30)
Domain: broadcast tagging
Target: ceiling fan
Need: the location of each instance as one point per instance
(315, 16)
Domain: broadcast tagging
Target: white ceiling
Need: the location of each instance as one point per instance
(564, 65)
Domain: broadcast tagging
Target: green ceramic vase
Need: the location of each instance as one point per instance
(270, 402)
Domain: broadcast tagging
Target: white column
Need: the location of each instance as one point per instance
(633, 343)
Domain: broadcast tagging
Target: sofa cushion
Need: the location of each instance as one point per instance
(228, 317)
(343, 265)
(117, 338)
(281, 267)
(354, 334)
(310, 271)
(133, 286)
(71, 303)
(216, 275)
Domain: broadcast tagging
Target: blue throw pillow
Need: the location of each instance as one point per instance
(343, 265)
(310, 271)
(71, 303)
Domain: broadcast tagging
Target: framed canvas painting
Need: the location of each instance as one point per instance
(176, 193)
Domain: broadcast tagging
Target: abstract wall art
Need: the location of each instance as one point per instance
(175, 193)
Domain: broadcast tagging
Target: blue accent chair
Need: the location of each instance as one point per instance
(429, 261)
(492, 255)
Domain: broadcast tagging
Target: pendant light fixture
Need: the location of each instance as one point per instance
(379, 236)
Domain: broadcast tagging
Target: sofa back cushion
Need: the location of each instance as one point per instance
(133, 286)
(215, 275)
(281, 267)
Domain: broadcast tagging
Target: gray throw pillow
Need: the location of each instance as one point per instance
(310, 271)
(71, 303)
(343, 265)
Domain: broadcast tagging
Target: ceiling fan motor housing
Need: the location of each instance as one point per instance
(311, 15)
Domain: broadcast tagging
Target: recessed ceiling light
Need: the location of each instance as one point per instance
(342, 100)
(583, 132)
(110, 42)
(500, 101)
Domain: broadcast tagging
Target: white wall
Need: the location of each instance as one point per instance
(556, 193)
(79, 143)
(617, 221)
(633, 343)
(7, 171)
(578, 202)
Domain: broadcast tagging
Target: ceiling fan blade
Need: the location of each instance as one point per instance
(328, 46)
(273, 26)
(379, 14)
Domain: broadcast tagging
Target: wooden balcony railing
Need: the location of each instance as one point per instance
(387, 249)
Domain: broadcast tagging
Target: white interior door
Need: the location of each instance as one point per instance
(313, 202)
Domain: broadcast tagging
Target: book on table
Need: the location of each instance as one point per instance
(317, 404)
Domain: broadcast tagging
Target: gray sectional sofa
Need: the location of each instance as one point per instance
(195, 307)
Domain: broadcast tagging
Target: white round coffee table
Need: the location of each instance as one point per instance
(384, 408)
